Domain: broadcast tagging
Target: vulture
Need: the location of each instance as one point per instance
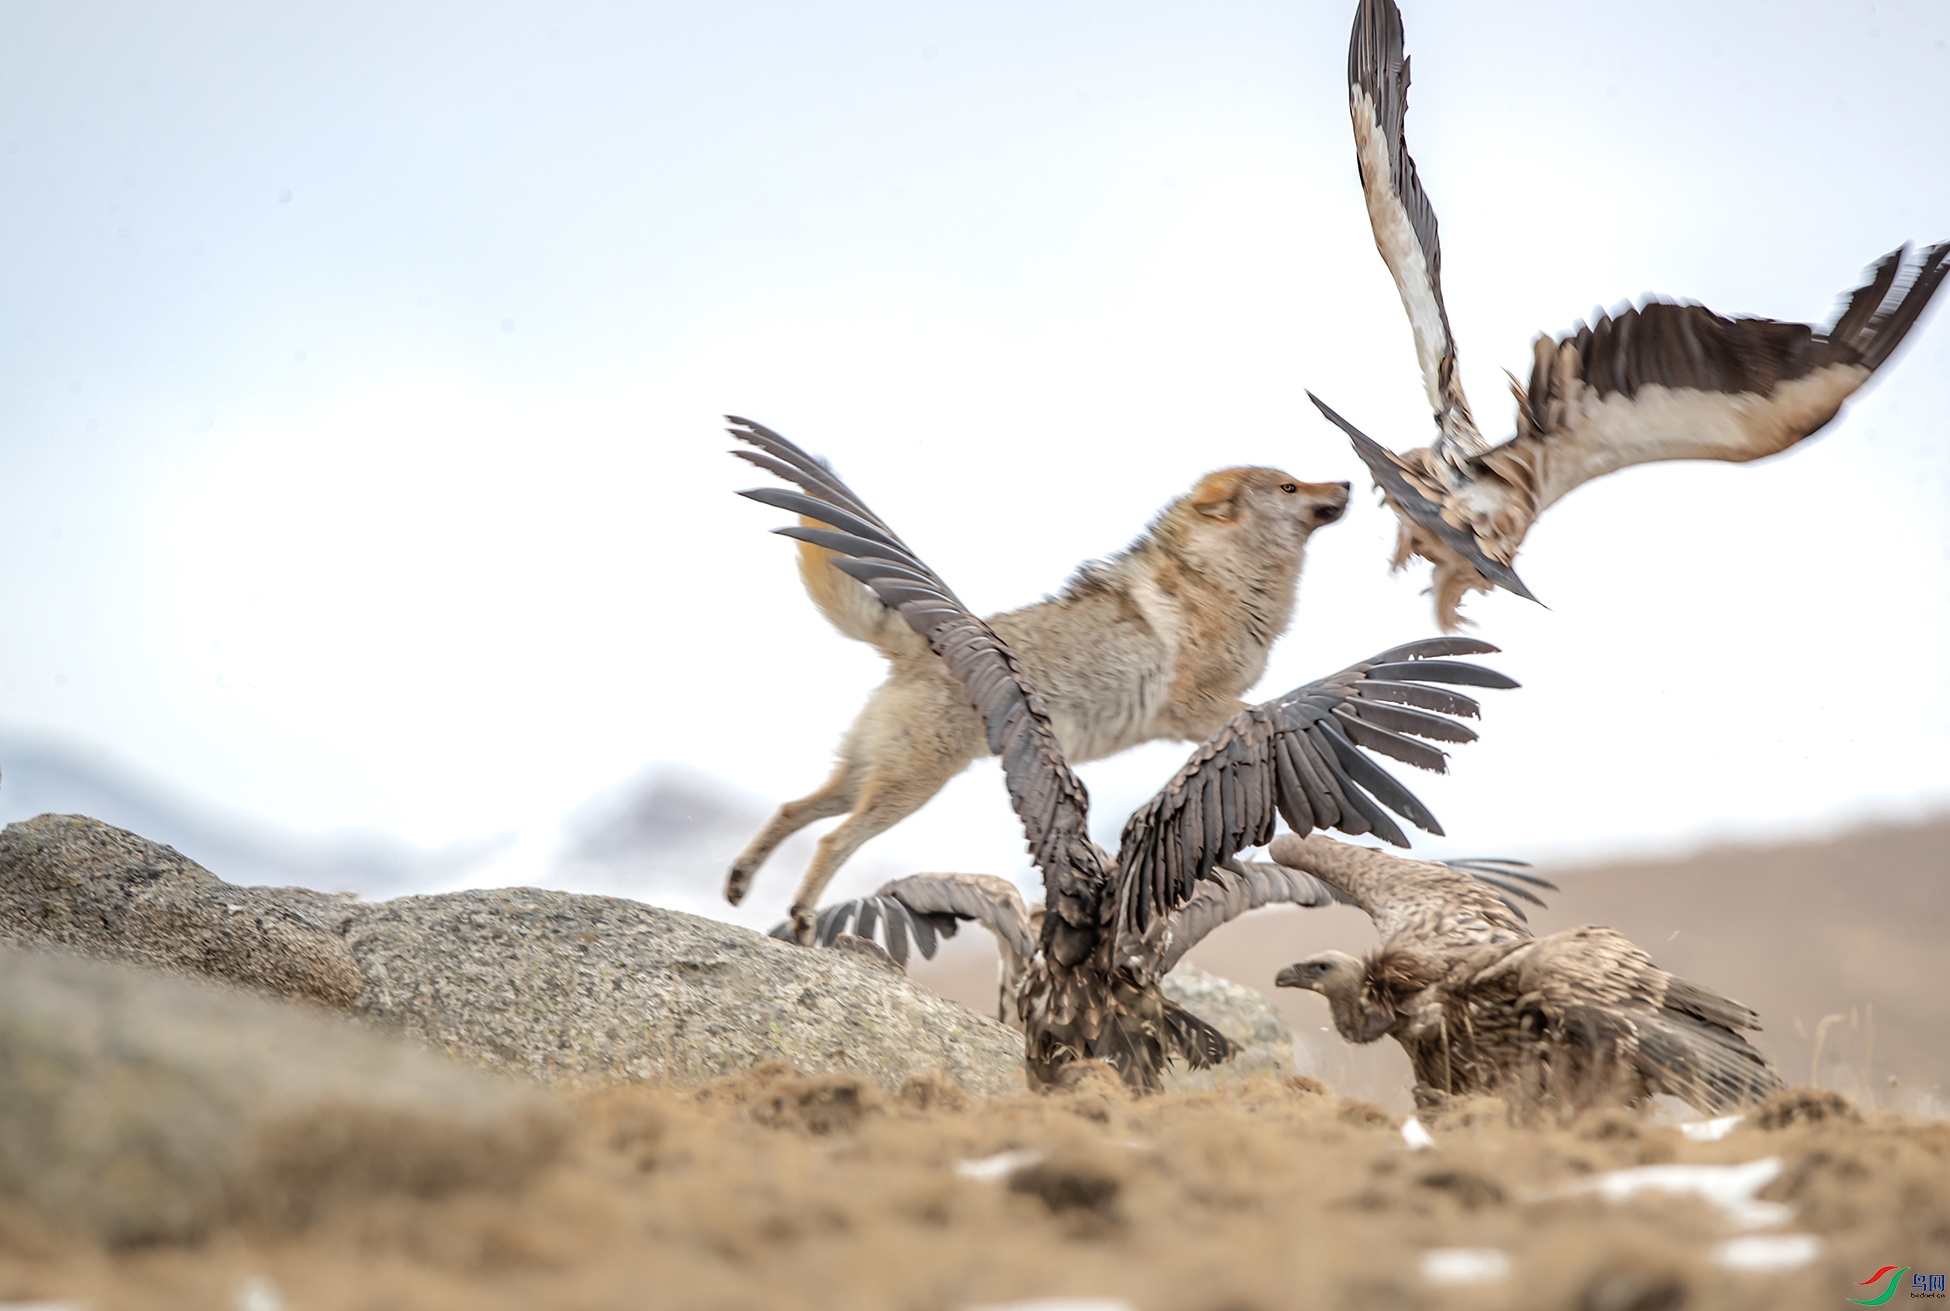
(924, 908)
(1481, 1005)
(1090, 991)
(1662, 381)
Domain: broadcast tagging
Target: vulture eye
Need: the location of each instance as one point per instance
(1289, 488)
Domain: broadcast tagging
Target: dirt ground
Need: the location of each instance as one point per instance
(771, 1190)
(775, 1191)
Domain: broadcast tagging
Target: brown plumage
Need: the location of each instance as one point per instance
(1659, 382)
(1565, 1021)
(921, 909)
(1091, 990)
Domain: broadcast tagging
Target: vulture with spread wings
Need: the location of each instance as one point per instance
(1091, 990)
(1565, 1021)
(921, 909)
(1660, 382)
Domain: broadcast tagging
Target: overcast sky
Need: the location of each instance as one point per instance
(360, 368)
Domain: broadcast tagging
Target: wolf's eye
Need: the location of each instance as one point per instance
(1289, 488)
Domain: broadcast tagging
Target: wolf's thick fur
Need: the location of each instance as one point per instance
(1156, 642)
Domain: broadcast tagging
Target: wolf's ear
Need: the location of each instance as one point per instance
(1217, 497)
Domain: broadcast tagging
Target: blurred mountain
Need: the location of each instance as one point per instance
(665, 837)
(38, 775)
(668, 836)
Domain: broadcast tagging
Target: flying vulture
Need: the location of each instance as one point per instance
(1565, 1021)
(1091, 989)
(1663, 381)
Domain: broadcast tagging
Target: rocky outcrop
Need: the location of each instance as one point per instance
(568, 989)
(578, 990)
(136, 1108)
(76, 883)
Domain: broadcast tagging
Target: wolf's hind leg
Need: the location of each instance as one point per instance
(883, 802)
(834, 797)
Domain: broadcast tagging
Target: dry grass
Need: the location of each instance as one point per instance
(774, 1190)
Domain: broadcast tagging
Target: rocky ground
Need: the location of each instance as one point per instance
(260, 1098)
(571, 990)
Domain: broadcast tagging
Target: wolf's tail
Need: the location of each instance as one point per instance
(851, 607)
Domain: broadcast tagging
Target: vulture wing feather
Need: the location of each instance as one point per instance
(1048, 797)
(1293, 748)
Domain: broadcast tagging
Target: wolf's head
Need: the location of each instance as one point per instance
(1252, 523)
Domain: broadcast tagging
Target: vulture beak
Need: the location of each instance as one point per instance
(1388, 477)
(1290, 978)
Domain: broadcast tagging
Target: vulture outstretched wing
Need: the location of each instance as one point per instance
(1299, 757)
(1401, 215)
(1231, 891)
(992, 902)
(1662, 381)
(1416, 905)
(1048, 798)
(924, 908)
(1679, 382)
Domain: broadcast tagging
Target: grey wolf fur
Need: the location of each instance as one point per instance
(1158, 641)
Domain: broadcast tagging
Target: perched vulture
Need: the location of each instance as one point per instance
(924, 908)
(1565, 1021)
(1091, 990)
(1663, 381)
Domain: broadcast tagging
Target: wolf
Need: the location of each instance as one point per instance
(1158, 641)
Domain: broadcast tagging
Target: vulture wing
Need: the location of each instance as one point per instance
(1679, 382)
(1416, 905)
(1048, 798)
(1658, 382)
(1619, 1020)
(1298, 757)
(993, 902)
(922, 909)
(1229, 892)
(1402, 217)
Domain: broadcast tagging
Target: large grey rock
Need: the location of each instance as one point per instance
(77, 883)
(1242, 1014)
(577, 989)
(138, 1108)
(567, 988)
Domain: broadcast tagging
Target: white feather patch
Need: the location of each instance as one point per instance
(1601, 436)
(1394, 237)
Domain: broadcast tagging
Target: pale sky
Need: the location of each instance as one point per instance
(361, 369)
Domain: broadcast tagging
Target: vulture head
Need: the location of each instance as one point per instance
(1343, 980)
